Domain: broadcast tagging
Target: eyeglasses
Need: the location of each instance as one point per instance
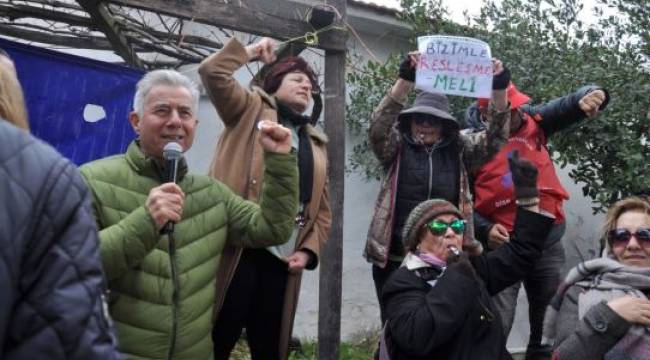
(437, 227)
(621, 237)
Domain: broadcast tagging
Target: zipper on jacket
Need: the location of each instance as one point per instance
(172, 261)
(430, 155)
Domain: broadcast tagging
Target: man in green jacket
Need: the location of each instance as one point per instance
(162, 287)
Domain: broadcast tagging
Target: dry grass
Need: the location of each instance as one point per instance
(361, 347)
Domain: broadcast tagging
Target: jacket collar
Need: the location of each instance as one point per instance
(316, 134)
(412, 262)
(268, 99)
(148, 166)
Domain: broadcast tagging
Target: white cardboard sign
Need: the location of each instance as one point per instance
(454, 65)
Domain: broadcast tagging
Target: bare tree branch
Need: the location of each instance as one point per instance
(137, 33)
(101, 16)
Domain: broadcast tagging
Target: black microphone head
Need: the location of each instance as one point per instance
(172, 151)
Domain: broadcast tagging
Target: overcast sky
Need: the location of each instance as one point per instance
(456, 7)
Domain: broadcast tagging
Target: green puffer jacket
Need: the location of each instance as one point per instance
(162, 291)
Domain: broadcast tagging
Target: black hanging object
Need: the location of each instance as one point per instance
(321, 17)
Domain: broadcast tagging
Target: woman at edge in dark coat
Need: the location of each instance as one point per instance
(438, 302)
(602, 309)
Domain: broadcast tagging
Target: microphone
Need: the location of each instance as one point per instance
(172, 153)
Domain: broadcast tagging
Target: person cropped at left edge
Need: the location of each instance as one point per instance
(162, 287)
(438, 303)
(52, 303)
(263, 284)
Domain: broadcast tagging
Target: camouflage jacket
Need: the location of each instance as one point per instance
(386, 141)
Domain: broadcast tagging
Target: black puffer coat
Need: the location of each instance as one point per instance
(425, 173)
(455, 319)
(51, 281)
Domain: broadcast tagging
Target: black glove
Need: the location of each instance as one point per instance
(407, 70)
(524, 176)
(461, 264)
(501, 81)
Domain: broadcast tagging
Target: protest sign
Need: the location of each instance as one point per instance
(454, 65)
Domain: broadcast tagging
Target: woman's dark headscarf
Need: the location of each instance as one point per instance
(288, 65)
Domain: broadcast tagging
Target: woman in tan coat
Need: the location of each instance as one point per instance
(258, 289)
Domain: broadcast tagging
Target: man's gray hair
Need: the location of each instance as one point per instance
(163, 77)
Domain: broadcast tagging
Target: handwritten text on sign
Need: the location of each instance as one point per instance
(454, 65)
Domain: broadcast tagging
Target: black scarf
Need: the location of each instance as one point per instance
(305, 156)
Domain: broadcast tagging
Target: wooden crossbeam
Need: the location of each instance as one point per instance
(88, 42)
(17, 11)
(248, 19)
(104, 22)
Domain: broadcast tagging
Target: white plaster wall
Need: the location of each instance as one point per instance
(360, 311)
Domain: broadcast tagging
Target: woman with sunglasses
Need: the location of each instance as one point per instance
(602, 311)
(438, 302)
(424, 156)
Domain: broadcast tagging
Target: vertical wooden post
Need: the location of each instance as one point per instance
(329, 303)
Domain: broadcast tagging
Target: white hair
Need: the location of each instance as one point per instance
(163, 77)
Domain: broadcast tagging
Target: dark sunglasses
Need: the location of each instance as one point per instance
(421, 120)
(621, 237)
(437, 227)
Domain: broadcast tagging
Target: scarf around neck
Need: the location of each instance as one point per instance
(305, 155)
(604, 279)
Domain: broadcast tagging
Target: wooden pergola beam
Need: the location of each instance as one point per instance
(90, 42)
(103, 20)
(18, 11)
(330, 287)
(241, 18)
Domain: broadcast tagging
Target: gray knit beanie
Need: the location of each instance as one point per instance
(420, 215)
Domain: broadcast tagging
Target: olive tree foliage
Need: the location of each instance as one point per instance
(550, 52)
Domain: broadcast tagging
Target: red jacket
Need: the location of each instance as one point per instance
(493, 188)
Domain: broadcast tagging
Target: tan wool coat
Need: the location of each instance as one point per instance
(238, 163)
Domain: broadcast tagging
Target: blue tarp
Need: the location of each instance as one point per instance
(68, 95)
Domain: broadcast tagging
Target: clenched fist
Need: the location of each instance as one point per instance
(590, 103)
(165, 203)
(274, 137)
(263, 51)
